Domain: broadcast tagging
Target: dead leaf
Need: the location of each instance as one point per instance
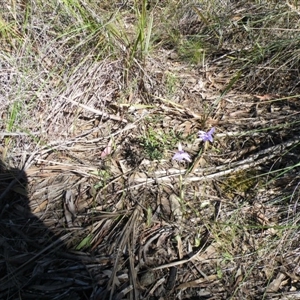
(275, 284)
(201, 282)
(69, 208)
(176, 207)
(179, 246)
(209, 253)
(266, 97)
(40, 207)
(165, 205)
(238, 277)
(137, 177)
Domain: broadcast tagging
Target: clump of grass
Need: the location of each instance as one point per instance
(192, 50)
(171, 83)
(156, 143)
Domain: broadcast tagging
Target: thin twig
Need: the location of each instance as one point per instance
(98, 112)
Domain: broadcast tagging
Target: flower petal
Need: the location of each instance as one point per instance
(212, 131)
(181, 155)
(207, 136)
(179, 147)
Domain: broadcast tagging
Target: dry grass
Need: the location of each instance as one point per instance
(94, 99)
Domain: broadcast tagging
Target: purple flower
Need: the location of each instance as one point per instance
(207, 136)
(181, 155)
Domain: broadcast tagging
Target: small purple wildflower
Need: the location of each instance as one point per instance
(181, 155)
(207, 136)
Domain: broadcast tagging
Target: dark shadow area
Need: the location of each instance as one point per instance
(34, 263)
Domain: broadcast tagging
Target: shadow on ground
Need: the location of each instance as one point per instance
(34, 263)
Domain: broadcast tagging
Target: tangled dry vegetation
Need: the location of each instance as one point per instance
(94, 99)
